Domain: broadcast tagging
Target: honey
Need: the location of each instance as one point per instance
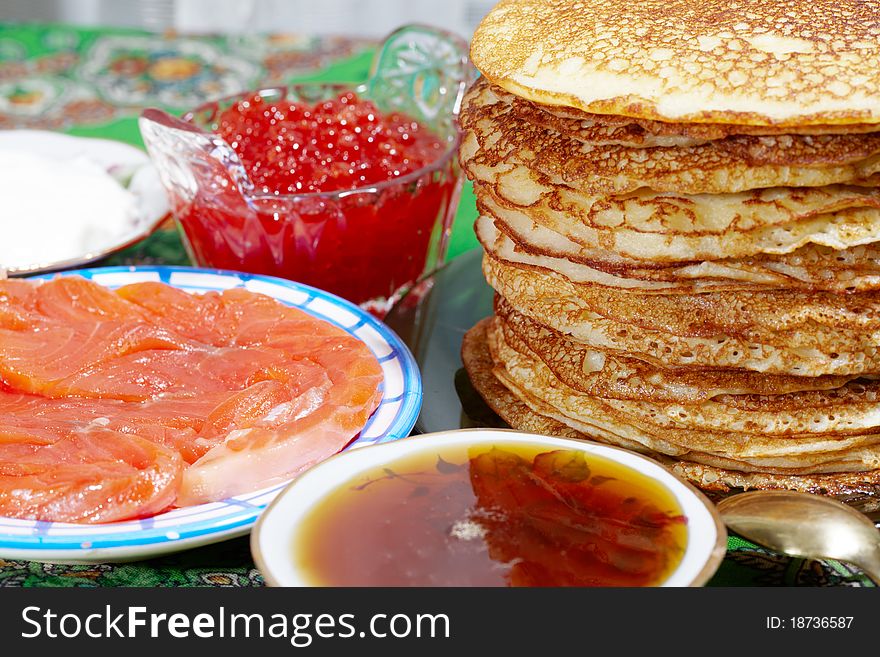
(503, 515)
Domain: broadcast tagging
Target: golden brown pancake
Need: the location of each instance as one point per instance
(839, 230)
(614, 375)
(861, 487)
(749, 63)
(795, 433)
(810, 267)
(609, 129)
(495, 138)
(670, 226)
(777, 332)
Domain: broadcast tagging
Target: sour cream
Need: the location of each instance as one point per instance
(53, 209)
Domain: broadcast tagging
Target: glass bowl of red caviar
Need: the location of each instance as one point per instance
(349, 188)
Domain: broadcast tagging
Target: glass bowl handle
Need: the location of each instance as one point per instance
(422, 71)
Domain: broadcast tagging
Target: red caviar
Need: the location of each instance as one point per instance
(344, 143)
(363, 245)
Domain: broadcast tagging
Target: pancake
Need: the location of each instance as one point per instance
(749, 63)
(753, 447)
(623, 376)
(783, 432)
(671, 212)
(494, 137)
(611, 130)
(811, 267)
(777, 332)
(839, 230)
(859, 489)
(862, 488)
(850, 412)
(666, 225)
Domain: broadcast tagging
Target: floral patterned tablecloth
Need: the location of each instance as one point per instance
(65, 77)
(94, 82)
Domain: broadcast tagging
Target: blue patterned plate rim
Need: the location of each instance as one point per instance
(200, 524)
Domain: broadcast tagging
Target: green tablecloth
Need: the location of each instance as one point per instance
(94, 82)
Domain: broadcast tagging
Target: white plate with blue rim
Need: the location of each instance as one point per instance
(189, 527)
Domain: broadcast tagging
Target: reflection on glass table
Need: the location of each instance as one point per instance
(432, 319)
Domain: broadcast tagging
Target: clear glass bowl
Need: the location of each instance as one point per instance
(369, 244)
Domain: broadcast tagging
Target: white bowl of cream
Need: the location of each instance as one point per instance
(67, 200)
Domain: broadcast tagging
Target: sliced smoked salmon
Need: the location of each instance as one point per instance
(120, 404)
(88, 476)
(316, 425)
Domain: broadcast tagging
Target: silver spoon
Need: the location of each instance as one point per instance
(805, 525)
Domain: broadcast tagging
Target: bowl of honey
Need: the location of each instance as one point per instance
(489, 507)
(349, 188)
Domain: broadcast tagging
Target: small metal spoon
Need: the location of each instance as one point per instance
(805, 525)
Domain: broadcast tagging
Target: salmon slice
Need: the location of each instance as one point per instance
(291, 438)
(166, 373)
(37, 360)
(94, 477)
(234, 316)
(74, 300)
(202, 317)
(174, 423)
(117, 405)
(17, 304)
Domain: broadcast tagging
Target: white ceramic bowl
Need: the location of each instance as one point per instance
(125, 162)
(276, 531)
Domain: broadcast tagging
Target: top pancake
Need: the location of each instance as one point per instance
(700, 61)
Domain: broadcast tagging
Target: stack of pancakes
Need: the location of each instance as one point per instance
(680, 211)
